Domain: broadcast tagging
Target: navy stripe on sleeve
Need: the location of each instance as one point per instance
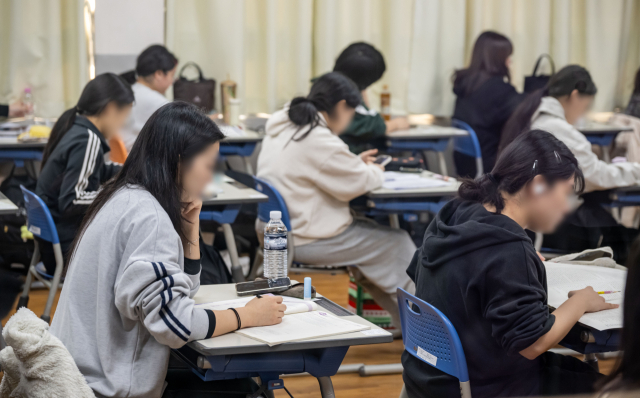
(170, 326)
(165, 304)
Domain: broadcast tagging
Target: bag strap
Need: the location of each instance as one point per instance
(188, 64)
(540, 58)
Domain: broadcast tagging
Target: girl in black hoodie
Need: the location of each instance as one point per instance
(478, 266)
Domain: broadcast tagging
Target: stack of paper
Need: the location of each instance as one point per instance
(563, 278)
(294, 305)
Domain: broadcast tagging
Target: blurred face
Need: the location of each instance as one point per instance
(162, 81)
(575, 105)
(113, 118)
(199, 172)
(341, 117)
(547, 205)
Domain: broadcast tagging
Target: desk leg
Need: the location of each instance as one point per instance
(247, 165)
(606, 153)
(326, 387)
(394, 221)
(592, 360)
(442, 162)
(236, 269)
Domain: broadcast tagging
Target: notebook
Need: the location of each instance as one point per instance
(563, 278)
(397, 181)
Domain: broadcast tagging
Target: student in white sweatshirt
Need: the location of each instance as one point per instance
(135, 266)
(317, 175)
(155, 70)
(567, 97)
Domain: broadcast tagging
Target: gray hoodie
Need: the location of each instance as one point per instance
(127, 298)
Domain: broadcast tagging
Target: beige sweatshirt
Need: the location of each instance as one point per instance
(317, 177)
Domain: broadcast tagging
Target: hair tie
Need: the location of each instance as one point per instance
(492, 178)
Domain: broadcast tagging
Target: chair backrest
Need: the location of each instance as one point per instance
(39, 220)
(276, 202)
(469, 145)
(118, 152)
(429, 336)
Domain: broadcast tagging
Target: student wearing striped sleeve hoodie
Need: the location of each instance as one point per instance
(135, 267)
(73, 162)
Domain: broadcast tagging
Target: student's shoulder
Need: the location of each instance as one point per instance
(139, 204)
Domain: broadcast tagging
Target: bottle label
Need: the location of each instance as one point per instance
(275, 242)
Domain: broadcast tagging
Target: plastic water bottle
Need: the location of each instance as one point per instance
(275, 247)
(28, 101)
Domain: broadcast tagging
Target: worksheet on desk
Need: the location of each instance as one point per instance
(563, 278)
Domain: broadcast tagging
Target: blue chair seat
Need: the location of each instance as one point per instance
(42, 270)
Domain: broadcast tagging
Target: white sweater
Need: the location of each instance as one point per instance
(317, 177)
(146, 102)
(598, 175)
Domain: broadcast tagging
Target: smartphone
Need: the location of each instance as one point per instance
(383, 160)
(261, 286)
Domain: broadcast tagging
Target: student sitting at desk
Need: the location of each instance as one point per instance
(16, 109)
(155, 69)
(73, 165)
(485, 98)
(135, 264)
(317, 175)
(364, 64)
(478, 266)
(633, 107)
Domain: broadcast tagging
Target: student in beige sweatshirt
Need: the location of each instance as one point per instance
(317, 175)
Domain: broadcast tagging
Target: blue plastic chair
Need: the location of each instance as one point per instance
(40, 223)
(469, 145)
(428, 335)
(276, 203)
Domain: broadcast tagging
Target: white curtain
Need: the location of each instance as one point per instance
(42, 46)
(272, 47)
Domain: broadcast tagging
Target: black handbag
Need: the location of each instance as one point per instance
(536, 82)
(200, 92)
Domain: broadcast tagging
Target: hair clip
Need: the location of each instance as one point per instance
(558, 158)
(535, 165)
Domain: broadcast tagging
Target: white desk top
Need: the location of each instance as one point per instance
(248, 136)
(229, 191)
(591, 127)
(385, 193)
(7, 206)
(427, 132)
(13, 143)
(234, 343)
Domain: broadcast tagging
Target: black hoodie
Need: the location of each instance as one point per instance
(481, 270)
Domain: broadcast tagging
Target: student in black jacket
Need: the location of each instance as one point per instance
(73, 162)
(478, 266)
(485, 98)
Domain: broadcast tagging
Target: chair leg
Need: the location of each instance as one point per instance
(57, 251)
(403, 393)
(258, 261)
(465, 389)
(23, 301)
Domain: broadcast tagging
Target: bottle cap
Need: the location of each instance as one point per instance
(276, 215)
(27, 90)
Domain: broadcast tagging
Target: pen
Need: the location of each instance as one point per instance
(609, 291)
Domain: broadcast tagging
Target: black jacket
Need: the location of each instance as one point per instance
(4, 110)
(486, 109)
(481, 270)
(73, 174)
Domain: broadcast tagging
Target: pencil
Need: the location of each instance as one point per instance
(609, 292)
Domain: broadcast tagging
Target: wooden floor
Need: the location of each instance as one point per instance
(346, 385)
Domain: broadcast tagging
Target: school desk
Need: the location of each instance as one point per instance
(223, 207)
(602, 135)
(7, 207)
(20, 152)
(233, 356)
(425, 138)
(241, 145)
(391, 202)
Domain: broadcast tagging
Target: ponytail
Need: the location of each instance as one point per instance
(532, 153)
(569, 78)
(326, 92)
(96, 95)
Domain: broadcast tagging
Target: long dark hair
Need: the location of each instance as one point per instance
(567, 79)
(636, 83)
(535, 152)
(326, 92)
(96, 95)
(172, 136)
(626, 374)
(488, 59)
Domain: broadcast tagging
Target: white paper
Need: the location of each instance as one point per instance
(563, 278)
(375, 332)
(302, 326)
(397, 181)
(7, 205)
(293, 304)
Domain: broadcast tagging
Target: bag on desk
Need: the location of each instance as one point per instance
(214, 270)
(199, 92)
(533, 82)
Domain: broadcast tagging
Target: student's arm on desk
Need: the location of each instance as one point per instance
(579, 303)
